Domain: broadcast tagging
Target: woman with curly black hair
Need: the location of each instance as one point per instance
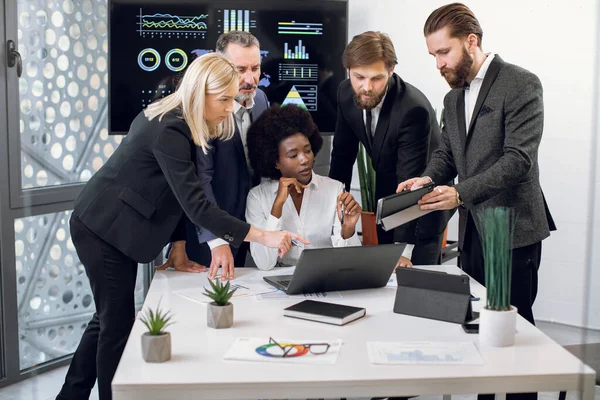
(282, 145)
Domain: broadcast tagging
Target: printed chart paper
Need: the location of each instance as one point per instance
(444, 353)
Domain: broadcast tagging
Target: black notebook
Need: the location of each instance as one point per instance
(329, 313)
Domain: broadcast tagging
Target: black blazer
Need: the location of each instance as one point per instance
(407, 133)
(137, 200)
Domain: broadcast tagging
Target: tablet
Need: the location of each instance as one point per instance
(391, 205)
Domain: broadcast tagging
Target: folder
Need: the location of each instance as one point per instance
(400, 208)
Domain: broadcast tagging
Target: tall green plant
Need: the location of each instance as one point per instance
(366, 175)
(496, 240)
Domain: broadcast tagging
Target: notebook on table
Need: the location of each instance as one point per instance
(329, 313)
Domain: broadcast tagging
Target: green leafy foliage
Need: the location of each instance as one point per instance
(496, 240)
(156, 320)
(366, 175)
(220, 292)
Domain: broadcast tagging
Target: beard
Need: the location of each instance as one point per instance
(244, 97)
(457, 76)
(369, 104)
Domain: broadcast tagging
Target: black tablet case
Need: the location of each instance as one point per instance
(392, 204)
(433, 295)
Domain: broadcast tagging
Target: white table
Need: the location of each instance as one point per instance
(197, 369)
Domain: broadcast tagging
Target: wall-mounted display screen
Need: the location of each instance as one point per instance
(153, 41)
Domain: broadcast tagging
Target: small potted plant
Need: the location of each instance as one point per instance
(220, 310)
(498, 318)
(156, 343)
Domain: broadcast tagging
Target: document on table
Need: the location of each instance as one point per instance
(245, 288)
(260, 349)
(445, 353)
(281, 295)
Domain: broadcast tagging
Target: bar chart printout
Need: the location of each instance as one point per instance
(445, 353)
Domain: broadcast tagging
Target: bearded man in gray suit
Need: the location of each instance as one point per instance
(492, 128)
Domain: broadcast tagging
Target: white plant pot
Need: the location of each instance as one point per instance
(497, 328)
(156, 348)
(219, 317)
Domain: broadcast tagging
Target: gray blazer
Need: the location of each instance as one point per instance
(497, 161)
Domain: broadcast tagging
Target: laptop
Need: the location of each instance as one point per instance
(340, 268)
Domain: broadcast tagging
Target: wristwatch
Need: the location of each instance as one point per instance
(458, 200)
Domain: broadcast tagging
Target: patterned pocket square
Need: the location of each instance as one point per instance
(485, 110)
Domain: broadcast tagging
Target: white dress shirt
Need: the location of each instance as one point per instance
(241, 115)
(317, 222)
(375, 112)
(472, 92)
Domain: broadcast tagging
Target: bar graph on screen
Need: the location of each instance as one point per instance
(298, 53)
(299, 28)
(298, 72)
(236, 20)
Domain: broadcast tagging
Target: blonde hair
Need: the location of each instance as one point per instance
(210, 74)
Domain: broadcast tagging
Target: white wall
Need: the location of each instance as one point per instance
(557, 41)
(594, 272)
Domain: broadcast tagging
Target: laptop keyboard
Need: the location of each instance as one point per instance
(285, 282)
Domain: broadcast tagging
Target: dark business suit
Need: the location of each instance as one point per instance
(226, 181)
(497, 166)
(406, 134)
(130, 209)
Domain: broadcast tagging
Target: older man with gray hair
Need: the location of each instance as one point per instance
(224, 170)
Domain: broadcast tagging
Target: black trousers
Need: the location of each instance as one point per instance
(524, 280)
(112, 278)
(427, 252)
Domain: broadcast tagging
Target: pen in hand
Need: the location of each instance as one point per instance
(343, 208)
(297, 244)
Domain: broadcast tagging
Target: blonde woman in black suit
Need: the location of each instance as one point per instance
(137, 202)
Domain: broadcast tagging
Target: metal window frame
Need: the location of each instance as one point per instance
(3, 200)
(15, 203)
(20, 197)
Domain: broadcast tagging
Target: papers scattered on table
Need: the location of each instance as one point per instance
(259, 349)
(392, 283)
(244, 289)
(447, 353)
(280, 295)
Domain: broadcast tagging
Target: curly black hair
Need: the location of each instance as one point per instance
(273, 126)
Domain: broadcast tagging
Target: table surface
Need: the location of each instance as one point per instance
(197, 368)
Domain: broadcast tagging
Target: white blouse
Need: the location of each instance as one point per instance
(318, 221)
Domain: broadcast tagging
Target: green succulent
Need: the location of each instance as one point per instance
(220, 292)
(156, 320)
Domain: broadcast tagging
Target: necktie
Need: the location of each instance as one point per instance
(369, 124)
